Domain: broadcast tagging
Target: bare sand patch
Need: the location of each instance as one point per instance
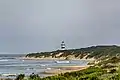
(65, 69)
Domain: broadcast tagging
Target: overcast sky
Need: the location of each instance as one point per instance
(41, 25)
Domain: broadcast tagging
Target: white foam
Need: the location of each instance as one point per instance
(3, 60)
(42, 65)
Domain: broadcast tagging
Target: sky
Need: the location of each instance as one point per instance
(41, 25)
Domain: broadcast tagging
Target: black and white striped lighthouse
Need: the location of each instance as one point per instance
(63, 45)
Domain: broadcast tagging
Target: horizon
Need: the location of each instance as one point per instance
(2, 53)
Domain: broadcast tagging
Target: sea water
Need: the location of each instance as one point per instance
(12, 64)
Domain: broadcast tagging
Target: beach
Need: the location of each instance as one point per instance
(60, 69)
(64, 69)
(16, 65)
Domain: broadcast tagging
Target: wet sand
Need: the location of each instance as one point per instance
(64, 69)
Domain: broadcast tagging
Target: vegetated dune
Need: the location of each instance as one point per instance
(93, 52)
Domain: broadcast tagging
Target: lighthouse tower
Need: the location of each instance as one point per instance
(63, 45)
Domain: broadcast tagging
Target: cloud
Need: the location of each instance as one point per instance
(40, 25)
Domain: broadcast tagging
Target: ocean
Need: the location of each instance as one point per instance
(12, 64)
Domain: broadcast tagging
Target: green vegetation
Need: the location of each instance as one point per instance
(92, 73)
(20, 77)
(91, 52)
(105, 67)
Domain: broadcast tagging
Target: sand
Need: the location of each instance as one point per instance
(62, 69)
(65, 69)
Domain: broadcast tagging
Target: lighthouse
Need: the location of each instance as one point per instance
(63, 45)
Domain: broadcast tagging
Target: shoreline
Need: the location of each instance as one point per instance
(65, 69)
(55, 70)
(61, 69)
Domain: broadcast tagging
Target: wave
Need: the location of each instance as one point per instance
(3, 60)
